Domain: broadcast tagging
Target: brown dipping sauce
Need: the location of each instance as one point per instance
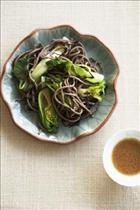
(126, 156)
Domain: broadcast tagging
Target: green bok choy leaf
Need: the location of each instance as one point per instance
(96, 91)
(20, 71)
(48, 115)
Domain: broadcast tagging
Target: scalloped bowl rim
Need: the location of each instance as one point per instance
(84, 134)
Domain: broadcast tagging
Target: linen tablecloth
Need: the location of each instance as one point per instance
(42, 176)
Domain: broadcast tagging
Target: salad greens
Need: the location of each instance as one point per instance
(59, 86)
(48, 115)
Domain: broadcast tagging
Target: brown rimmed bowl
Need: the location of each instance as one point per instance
(28, 121)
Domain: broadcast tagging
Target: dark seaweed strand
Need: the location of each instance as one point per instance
(31, 99)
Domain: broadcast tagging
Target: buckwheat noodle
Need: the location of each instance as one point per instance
(70, 107)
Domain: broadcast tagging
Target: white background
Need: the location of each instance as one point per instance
(42, 176)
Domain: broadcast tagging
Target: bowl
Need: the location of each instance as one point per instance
(113, 173)
(27, 121)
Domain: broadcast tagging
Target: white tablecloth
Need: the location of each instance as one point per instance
(42, 176)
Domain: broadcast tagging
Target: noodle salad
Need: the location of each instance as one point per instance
(59, 82)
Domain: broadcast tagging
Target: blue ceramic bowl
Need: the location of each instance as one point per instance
(28, 121)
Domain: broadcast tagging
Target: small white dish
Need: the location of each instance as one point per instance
(114, 174)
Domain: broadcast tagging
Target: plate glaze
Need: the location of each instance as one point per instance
(28, 121)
